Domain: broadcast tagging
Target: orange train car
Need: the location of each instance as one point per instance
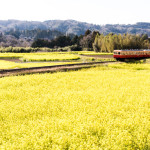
(122, 55)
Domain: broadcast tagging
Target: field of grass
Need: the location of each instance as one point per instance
(106, 107)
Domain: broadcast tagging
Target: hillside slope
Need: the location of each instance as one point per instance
(74, 27)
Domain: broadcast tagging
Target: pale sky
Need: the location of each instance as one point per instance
(91, 11)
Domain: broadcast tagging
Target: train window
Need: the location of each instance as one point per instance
(118, 53)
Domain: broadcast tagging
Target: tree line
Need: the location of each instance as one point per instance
(110, 42)
(80, 42)
(98, 42)
(91, 40)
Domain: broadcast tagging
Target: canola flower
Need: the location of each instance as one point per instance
(106, 107)
(51, 57)
(11, 55)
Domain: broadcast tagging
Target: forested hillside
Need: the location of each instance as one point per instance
(68, 32)
(74, 27)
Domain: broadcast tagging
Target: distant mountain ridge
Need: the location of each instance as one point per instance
(74, 27)
(64, 26)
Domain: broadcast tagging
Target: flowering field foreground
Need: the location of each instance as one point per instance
(107, 107)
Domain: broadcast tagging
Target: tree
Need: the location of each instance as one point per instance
(75, 40)
(87, 32)
(96, 48)
(40, 43)
(86, 41)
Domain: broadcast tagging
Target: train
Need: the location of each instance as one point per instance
(123, 55)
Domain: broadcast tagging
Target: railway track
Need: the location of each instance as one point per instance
(51, 69)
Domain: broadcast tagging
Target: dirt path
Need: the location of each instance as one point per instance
(17, 60)
(99, 56)
(21, 71)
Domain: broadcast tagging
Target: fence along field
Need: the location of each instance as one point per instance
(97, 108)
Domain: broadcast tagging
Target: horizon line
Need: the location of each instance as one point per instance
(74, 20)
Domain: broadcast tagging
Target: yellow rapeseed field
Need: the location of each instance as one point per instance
(106, 107)
(53, 56)
(50, 57)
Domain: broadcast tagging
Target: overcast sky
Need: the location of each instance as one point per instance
(91, 11)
